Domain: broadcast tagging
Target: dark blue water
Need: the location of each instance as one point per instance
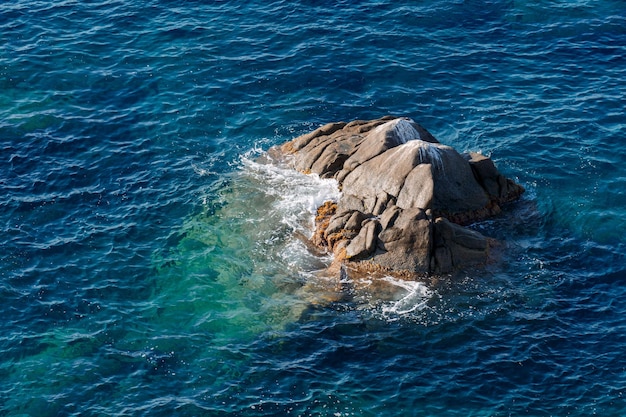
(150, 267)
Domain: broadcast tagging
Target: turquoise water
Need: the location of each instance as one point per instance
(151, 267)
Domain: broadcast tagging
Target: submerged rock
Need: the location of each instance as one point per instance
(405, 196)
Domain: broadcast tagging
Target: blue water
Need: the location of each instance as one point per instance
(150, 267)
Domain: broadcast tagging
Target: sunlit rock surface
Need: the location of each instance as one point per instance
(405, 197)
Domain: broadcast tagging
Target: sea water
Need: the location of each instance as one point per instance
(152, 265)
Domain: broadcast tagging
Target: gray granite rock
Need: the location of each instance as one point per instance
(405, 196)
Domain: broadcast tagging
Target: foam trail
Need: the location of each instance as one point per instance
(415, 298)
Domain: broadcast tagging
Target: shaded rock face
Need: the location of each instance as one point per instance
(405, 196)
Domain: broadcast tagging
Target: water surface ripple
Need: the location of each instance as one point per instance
(151, 266)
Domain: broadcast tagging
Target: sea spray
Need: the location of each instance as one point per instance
(297, 196)
(414, 296)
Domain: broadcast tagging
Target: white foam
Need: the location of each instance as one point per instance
(415, 297)
(203, 172)
(296, 196)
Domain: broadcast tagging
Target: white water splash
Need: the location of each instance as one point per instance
(203, 172)
(267, 211)
(414, 297)
(429, 153)
(403, 129)
(297, 196)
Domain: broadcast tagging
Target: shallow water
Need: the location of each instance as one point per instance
(151, 266)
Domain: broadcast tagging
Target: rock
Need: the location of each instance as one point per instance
(405, 244)
(499, 188)
(405, 196)
(365, 242)
(455, 246)
(417, 174)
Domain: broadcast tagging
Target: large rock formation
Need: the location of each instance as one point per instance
(405, 196)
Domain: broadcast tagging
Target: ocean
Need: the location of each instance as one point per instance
(152, 266)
